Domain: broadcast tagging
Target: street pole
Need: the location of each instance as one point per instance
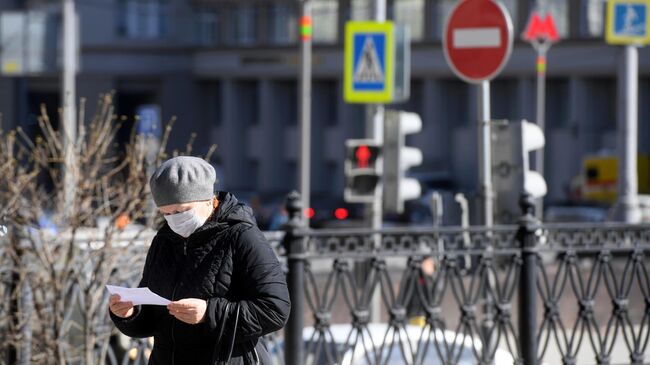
(305, 104)
(294, 349)
(627, 206)
(527, 239)
(541, 33)
(375, 130)
(541, 118)
(485, 153)
(68, 101)
(485, 143)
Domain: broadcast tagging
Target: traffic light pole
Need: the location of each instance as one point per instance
(485, 143)
(305, 104)
(485, 153)
(627, 206)
(541, 118)
(375, 130)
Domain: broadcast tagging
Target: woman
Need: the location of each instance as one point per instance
(211, 260)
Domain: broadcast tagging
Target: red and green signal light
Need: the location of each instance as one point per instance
(306, 28)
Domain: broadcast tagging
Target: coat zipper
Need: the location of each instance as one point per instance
(173, 299)
(173, 320)
(257, 356)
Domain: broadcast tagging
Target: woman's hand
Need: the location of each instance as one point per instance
(191, 310)
(120, 309)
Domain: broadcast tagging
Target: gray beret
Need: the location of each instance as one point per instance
(182, 179)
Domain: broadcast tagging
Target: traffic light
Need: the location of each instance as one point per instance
(398, 159)
(362, 170)
(511, 146)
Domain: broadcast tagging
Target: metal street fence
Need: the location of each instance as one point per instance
(21, 317)
(525, 294)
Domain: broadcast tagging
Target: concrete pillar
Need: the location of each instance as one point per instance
(320, 103)
(526, 99)
(579, 124)
(431, 16)
(9, 103)
(432, 141)
(269, 156)
(91, 87)
(344, 15)
(231, 138)
(351, 122)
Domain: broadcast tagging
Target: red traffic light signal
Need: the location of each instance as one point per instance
(341, 213)
(362, 170)
(363, 156)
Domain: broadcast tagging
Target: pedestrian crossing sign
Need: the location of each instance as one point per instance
(369, 62)
(627, 22)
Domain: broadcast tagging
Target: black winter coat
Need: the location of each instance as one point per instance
(227, 262)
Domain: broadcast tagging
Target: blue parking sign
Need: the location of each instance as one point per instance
(627, 22)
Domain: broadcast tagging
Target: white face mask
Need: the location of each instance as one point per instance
(185, 223)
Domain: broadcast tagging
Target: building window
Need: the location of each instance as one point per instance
(503, 92)
(361, 9)
(248, 94)
(560, 11)
(286, 99)
(446, 6)
(512, 8)
(453, 109)
(325, 16)
(595, 14)
(208, 27)
(557, 104)
(602, 93)
(211, 101)
(243, 29)
(283, 21)
(325, 102)
(444, 9)
(142, 19)
(411, 13)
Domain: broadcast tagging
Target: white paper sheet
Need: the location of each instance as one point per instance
(137, 296)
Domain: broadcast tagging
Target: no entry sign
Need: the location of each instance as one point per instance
(478, 39)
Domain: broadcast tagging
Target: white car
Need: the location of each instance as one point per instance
(390, 347)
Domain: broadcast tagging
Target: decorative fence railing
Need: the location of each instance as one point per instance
(524, 294)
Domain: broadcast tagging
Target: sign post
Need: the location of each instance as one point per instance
(627, 25)
(477, 43)
(369, 78)
(304, 108)
(541, 33)
(377, 71)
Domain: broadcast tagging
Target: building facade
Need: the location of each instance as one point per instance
(228, 70)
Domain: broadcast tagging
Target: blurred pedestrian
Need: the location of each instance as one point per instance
(279, 218)
(211, 260)
(415, 307)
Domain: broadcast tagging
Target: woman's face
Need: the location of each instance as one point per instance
(202, 208)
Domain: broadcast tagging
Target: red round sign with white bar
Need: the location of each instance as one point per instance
(478, 39)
